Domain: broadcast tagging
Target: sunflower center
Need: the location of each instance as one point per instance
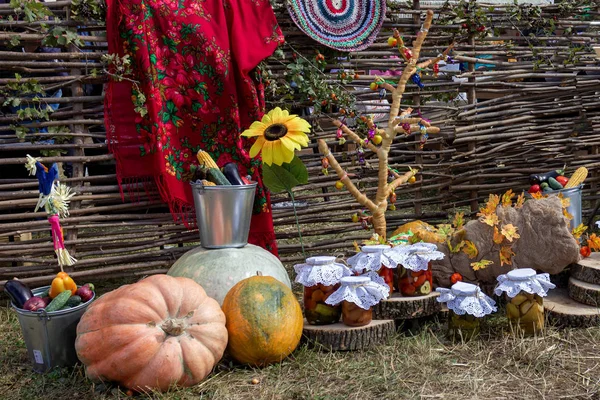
(275, 131)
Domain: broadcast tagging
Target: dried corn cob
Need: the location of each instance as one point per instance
(206, 160)
(577, 178)
(208, 183)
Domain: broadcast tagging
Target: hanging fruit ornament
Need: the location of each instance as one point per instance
(393, 197)
(392, 207)
(416, 78)
(361, 155)
(325, 165)
(355, 217)
(371, 133)
(406, 128)
(377, 139)
(412, 179)
(436, 69)
(339, 133)
(374, 86)
(407, 53)
(424, 136)
(392, 41)
(342, 141)
(339, 185)
(382, 93)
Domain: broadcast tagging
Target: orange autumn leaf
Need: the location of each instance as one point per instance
(356, 247)
(483, 264)
(470, 249)
(445, 230)
(490, 220)
(565, 201)
(490, 206)
(459, 221)
(507, 198)
(510, 232)
(506, 254)
(455, 249)
(498, 237)
(520, 200)
(567, 215)
(593, 242)
(578, 231)
(538, 195)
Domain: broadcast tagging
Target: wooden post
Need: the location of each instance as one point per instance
(417, 104)
(471, 99)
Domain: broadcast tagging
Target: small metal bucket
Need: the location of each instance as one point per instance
(574, 195)
(50, 337)
(223, 214)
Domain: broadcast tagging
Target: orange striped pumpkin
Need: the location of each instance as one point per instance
(264, 321)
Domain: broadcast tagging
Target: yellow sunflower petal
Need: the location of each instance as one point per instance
(290, 144)
(298, 124)
(266, 119)
(257, 146)
(267, 153)
(276, 115)
(298, 137)
(288, 155)
(256, 129)
(278, 154)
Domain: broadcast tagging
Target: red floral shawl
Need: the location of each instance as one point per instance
(191, 66)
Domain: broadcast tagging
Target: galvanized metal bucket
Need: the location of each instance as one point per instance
(574, 195)
(223, 214)
(50, 337)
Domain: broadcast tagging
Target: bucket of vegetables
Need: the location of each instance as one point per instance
(48, 317)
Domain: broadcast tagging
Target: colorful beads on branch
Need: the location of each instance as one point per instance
(392, 41)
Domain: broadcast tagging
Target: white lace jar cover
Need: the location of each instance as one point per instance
(415, 257)
(465, 298)
(321, 270)
(360, 290)
(523, 280)
(371, 258)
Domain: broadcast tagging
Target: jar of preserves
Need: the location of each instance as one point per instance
(358, 295)
(524, 290)
(467, 305)
(374, 258)
(414, 273)
(320, 277)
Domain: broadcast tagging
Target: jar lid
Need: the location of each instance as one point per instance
(464, 289)
(375, 248)
(521, 274)
(320, 260)
(354, 280)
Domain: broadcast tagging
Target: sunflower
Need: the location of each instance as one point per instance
(278, 135)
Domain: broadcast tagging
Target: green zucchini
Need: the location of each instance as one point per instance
(59, 301)
(216, 176)
(554, 184)
(45, 294)
(74, 301)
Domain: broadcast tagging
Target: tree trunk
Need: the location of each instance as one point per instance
(341, 337)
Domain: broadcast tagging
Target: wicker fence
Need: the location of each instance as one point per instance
(505, 116)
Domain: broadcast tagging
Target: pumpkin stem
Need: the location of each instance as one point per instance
(173, 327)
(258, 273)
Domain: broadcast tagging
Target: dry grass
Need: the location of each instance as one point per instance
(562, 364)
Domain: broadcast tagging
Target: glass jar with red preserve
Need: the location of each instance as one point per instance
(414, 273)
(374, 258)
(320, 277)
(358, 295)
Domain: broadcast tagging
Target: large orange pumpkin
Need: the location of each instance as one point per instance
(264, 321)
(153, 334)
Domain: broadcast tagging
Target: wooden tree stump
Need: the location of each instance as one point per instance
(399, 307)
(339, 337)
(564, 311)
(583, 292)
(588, 269)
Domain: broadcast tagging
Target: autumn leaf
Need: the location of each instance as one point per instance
(593, 242)
(579, 230)
(538, 195)
(507, 198)
(510, 232)
(490, 206)
(520, 200)
(506, 254)
(567, 215)
(455, 249)
(483, 264)
(459, 220)
(498, 237)
(565, 201)
(445, 230)
(356, 247)
(470, 249)
(490, 220)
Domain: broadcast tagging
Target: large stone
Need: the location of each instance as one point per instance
(218, 270)
(546, 244)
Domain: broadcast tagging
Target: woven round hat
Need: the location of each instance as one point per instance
(346, 25)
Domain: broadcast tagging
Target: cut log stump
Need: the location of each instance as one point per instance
(588, 269)
(399, 308)
(562, 310)
(339, 337)
(583, 292)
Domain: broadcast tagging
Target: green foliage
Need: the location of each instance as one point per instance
(61, 137)
(61, 36)
(283, 178)
(32, 10)
(86, 10)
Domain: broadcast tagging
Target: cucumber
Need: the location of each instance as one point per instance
(554, 184)
(59, 301)
(45, 294)
(216, 176)
(547, 189)
(74, 301)
(325, 310)
(544, 185)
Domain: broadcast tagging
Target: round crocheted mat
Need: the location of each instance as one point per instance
(346, 25)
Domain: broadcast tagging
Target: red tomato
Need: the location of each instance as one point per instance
(562, 180)
(585, 251)
(534, 189)
(456, 277)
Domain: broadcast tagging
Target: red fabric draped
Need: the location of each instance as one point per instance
(191, 64)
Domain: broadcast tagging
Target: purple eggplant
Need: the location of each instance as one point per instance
(19, 292)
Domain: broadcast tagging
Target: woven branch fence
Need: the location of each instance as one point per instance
(533, 107)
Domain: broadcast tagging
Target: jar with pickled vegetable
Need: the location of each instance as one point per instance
(358, 295)
(467, 305)
(320, 277)
(374, 258)
(524, 290)
(414, 273)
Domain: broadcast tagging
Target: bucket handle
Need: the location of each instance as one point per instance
(43, 315)
(197, 186)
